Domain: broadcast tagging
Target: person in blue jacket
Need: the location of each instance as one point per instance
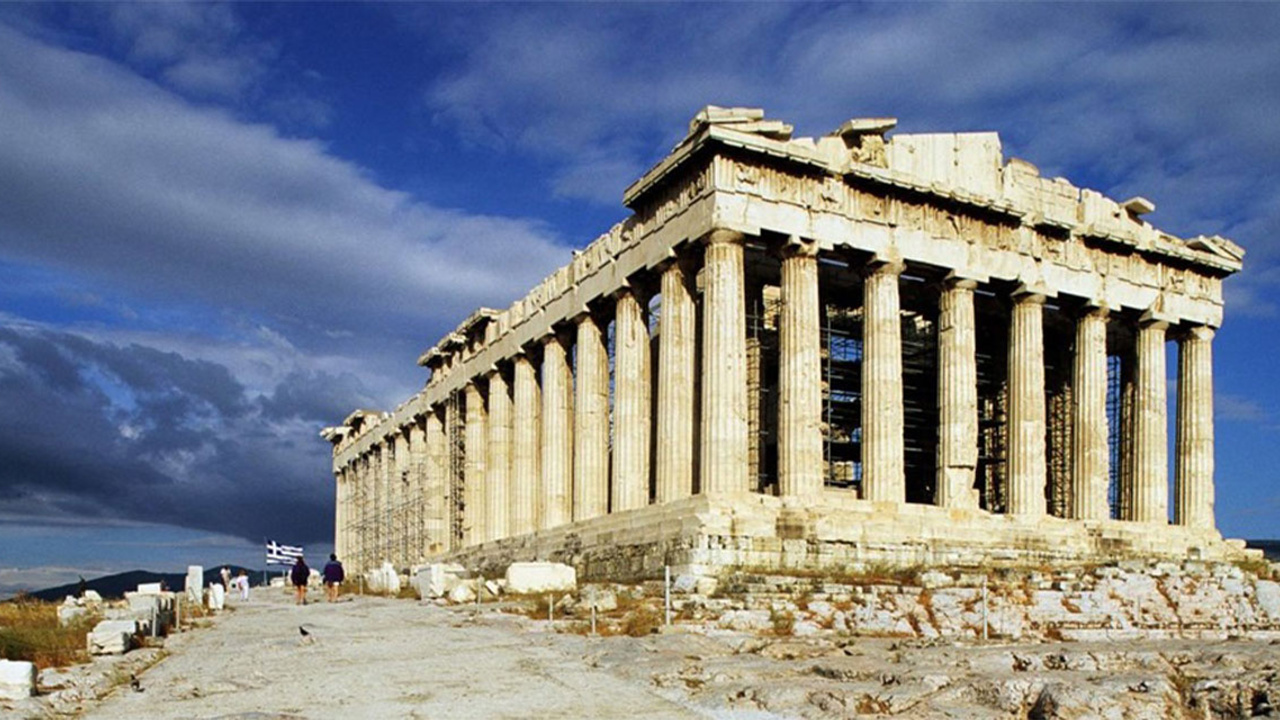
(333, 577)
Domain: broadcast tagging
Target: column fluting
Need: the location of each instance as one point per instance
(677, 363)
(1026, 447)
(724, 366)
(957, 395)
(498, 464)
(800, 373)
(1193, 482)
(1151, 427)
(632, 403)
(883, 472)
(473, 469)
(591, 422)
(1090, 452)
(556, 499)
(525, 461)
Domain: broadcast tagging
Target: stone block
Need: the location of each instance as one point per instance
(150, 589)
(217, 596)
(195, 584)
(537, 577)
(68, 614)
(935, 579)
(112, 637)
(17, 679)
(462, 593)
(431, 581)
(601, 599)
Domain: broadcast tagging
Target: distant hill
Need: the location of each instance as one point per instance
(1270, 548)
(114, 586)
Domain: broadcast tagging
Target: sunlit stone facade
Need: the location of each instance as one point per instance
(809, 352)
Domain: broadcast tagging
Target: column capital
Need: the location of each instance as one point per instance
(722, 236)
(1093, 308)
(884, 265)
(960, 282)
(1035, 293)
(1153, 322)
(1199, 332)
(796, 246)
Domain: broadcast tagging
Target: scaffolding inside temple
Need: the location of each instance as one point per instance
(456, 450)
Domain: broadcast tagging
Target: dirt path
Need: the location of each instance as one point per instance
(370, 657)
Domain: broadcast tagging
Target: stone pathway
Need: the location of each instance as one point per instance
(370, 657)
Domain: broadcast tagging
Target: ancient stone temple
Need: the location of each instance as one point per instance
(810, 352)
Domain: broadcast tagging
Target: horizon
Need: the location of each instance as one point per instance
(229, 225)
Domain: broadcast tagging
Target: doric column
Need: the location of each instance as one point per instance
(1194, 450)
(957, 395)
(591, 422)
(883, 473)
(437, 485)
(400, 490)
(556, 499)
(473, 470)
(498, 464)
(724, 366)
(631, 404)
(1027, 472)
(800, 373)
(677, 363)
(416, 501)
(524, 455)
(339, 508)
(1151, 427)
(1090, 452)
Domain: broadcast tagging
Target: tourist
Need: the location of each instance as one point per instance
(300, 575)
(242, 584)
(333, 577)
(226, 578)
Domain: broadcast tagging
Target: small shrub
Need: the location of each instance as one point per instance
(784, 622)
(29, 631)
(641, 621)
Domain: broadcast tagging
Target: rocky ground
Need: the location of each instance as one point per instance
(389, 658)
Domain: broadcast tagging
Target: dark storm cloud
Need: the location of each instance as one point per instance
(95, 429)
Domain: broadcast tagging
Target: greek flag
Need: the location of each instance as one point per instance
(278, 554)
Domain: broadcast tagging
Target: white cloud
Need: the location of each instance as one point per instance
(117, 180)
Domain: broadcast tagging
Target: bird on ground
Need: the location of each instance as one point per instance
(135, 684)
(303, 630)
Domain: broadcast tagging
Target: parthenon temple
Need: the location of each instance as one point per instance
(808, 352)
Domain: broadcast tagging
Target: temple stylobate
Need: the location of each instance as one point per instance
(809, 352)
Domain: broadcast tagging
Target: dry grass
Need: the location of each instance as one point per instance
(29, 631)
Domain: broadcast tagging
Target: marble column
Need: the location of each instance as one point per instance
(556, 501)
(525, 461)
(1026, 447)
(1193, 483)
(340, 505)
(677, 363)
(800, 373)
(957, 395)
(724, 366)
(1090, 452)
(1151, 427)
(473, 472)
(591, 422)
(498, 463)
(883, 471)
(631, 404)
(435, 528)
(416, 500)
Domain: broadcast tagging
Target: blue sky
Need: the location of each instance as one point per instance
(224, 226)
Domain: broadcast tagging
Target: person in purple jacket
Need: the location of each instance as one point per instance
(333, 577)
